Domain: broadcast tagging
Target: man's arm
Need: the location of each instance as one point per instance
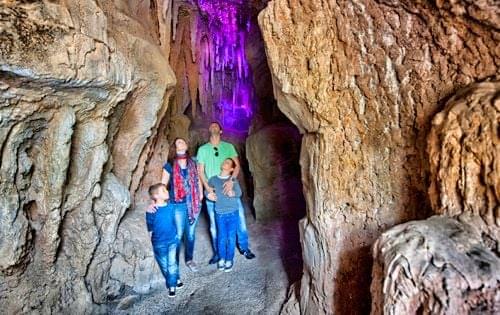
(237, 168)
(228, 185)
(201, 175)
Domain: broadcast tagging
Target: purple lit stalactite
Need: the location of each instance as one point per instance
(224, 68)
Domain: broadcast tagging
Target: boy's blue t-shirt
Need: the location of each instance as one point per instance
(184, 172)
(162, 224)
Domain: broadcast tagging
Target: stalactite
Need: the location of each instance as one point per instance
(210, 44)
(175, 18)
(194, 36)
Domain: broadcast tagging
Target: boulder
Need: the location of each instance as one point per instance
(273, 155)
(450, 264)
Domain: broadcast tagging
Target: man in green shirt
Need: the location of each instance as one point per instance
(210, 157)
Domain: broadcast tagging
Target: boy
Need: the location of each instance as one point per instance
(161, 224)
(226, 213)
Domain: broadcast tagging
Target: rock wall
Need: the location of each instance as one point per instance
(362, 80)
(464, 158)
(273, 155)
(82, 94)
(450, 264)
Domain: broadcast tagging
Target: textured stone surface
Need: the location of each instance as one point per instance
(436, 266)
(444, 265)
(362, 80)
(82, 87)
(256, 286)
(273, 155)
(464, 153)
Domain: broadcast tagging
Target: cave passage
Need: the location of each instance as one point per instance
(218, 45)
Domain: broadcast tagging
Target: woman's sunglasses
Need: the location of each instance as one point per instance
(216, 151)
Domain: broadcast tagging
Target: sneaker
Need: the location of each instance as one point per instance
(213, 260)
(248, 254)
(171, 292)
(221, 265)
(228, 266)
(192, 266)
(179, 284)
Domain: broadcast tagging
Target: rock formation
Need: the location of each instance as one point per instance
(78, 106)
(89, 103)
(450, 264)
(362, 80)
(273, 154)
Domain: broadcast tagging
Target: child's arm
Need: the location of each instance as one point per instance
(209, 193)
(150, 218)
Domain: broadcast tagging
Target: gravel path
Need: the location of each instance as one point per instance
(256, 286)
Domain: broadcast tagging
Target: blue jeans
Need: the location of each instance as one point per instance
(165, 255)
(185, 231)
(241, 231)
(226, 239)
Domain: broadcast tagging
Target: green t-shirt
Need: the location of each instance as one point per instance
(211, 162)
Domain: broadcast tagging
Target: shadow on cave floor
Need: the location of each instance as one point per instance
(257, 286)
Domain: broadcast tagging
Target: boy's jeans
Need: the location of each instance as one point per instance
(185, 231)
(165, 255)
(227, 225)
(241, 230)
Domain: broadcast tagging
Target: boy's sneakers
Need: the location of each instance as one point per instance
(179, 284)
(228, 266)
(192, 266)
(221, 265)
(248, 254)
(171, 292)
(213, 260)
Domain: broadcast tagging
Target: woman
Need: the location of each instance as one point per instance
(180, 174)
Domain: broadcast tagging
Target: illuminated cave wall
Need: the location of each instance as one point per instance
(208, 56)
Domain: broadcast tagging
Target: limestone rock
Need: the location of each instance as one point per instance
(442, 265)
(127, 302)
(464, 153)
(273, 154)
(362, 80)
(82, 86)
(436, 266)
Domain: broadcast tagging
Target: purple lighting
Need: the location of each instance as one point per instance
(224, 68)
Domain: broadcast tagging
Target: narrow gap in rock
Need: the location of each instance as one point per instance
(222, 75)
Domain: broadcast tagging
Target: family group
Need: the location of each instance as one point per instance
(177, 202)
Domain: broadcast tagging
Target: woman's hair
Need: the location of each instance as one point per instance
(172, 152)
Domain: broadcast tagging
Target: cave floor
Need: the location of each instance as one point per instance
(257, 286)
